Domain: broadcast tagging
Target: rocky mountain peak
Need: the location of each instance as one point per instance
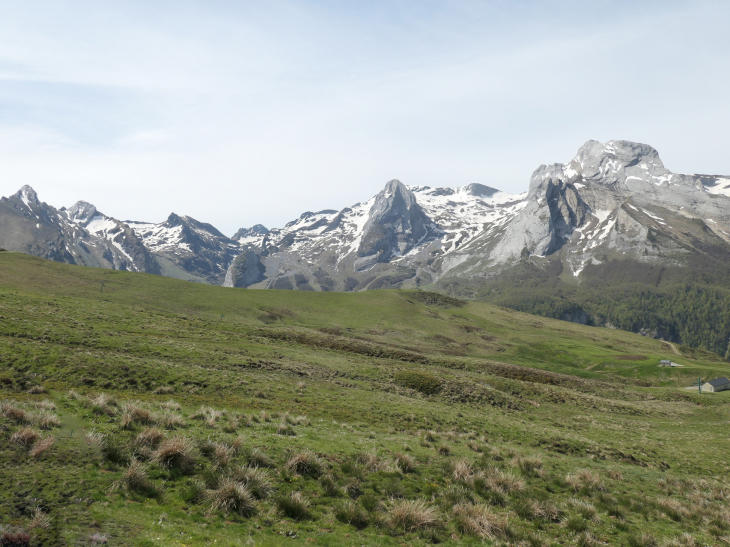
(27, 195)
(395, 225)
(607, 163)
(480, 190)
(81, 211)
(253, 231)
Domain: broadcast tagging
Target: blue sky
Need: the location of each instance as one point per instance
(240, 112)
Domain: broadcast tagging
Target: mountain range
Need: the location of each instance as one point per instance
(612, 219)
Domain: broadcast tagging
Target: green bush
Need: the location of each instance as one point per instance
(420, 381)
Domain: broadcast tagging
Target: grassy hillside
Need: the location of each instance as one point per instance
(165, 412)
(688, 304)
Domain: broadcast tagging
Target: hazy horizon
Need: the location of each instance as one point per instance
(245, 114)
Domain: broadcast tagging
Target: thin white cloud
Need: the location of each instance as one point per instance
(240, 114)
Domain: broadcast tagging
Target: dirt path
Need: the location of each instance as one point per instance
(674, 348)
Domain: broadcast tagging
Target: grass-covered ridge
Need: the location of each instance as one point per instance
(139, 416)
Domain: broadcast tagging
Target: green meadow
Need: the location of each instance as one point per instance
(142, 410)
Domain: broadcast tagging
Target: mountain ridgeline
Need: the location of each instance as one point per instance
(612, 238)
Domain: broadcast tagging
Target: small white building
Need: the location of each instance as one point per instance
(718, 384)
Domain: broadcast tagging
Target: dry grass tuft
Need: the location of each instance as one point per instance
(172, 421)
(103, 404)
(259, 458)
(222, 454)
(177, 452)
(404, 462)
(37, 390)
(585, 479)
(41, 446)
(164, 390)
(462, 471)
(349, 512)
(135, 477)
(615, 475)
(685, 540)
(531, 466)
(150, 437)
(504, 482)
(25, 436)
(171, 405)
(45, 404)
(479, 520)
(255, 479)
(371, 462)
(294, 506)
(134, 413)
(45, 420)
(410, 515)
(39, 519)
(14, 413)
(232, 496)
(444, 450)
(585, 509)
(305, 463)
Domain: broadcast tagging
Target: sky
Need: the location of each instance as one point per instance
(240, 112)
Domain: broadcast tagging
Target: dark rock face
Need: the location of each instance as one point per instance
(395, 226)
(245, 270)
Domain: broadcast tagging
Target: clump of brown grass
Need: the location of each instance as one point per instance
(461, 470)
(25, 436)
(586, 539)
(479, 520)
(14, 413)
(170, 405)
(45, 420)
(404, 462)
(163, 390)
(103, 404)
(150, 437)
(257, 480)
(294, 506)
(222, 454)
(40, 519)
(45, 404)
(237, 445)
(134, 413)
(259, 458)
(444, 450)
(177, 452)
(94, 437)
(673, 507)
(172, 421)
(349, 512)
(231, 496)
(37, 390)
(305, 463)
(135, 477)
(371, 462)
(265, 416)
(615, 475)
(504, 482)
(41, 446)
(430, 437)
(531, 466)
(585, 509)
(286, 429)
(685, 540)
(410, 515)
(585, 479)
